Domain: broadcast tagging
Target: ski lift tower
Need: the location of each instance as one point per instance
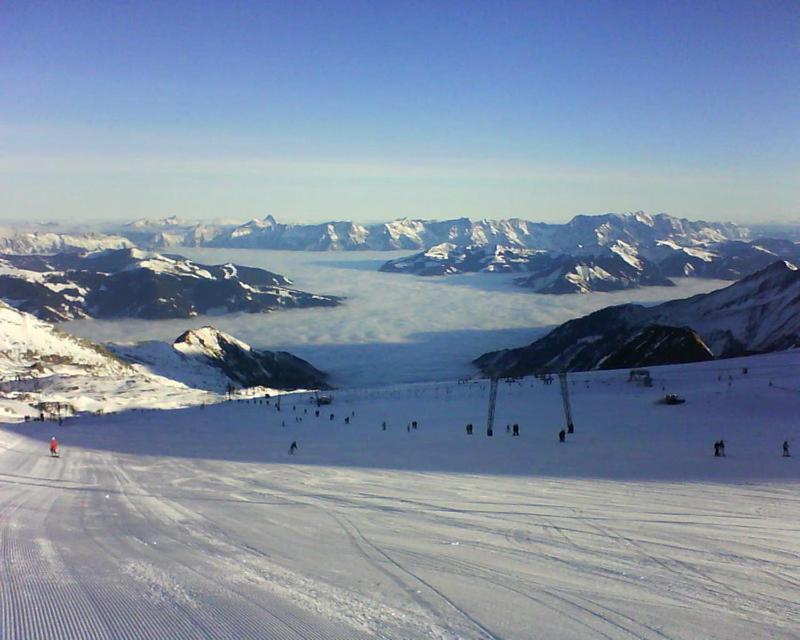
(562, 378)
(492, 403)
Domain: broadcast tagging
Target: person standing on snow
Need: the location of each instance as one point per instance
(53, 447)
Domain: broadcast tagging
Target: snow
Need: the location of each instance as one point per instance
(628, 253)
(197, 523)
(50, 243)
(589, 232)
(428, 328)
(163, 264)
(39, 363)
(206, 342)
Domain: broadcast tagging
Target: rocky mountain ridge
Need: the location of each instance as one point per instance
(758, 314)
(135, 284)
(605, 268)
(581, 234)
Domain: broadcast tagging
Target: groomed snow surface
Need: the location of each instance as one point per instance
(197, 523)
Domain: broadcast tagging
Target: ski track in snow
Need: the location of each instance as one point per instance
(198, 524)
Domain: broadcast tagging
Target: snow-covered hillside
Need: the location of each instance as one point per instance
(617, 259)
(136, 284)
(545, 272)
(41, 242)
(448, 258)
(45, 370)
(210, 359)
(199, 524)
(760, 313)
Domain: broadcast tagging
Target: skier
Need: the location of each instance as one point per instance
(716, 449)
(53, 447)
(722, 447)
(562, 436)
(515, 430)
(292, 447)
(786, 453)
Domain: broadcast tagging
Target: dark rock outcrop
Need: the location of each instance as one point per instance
(758, 314)
(248, 367)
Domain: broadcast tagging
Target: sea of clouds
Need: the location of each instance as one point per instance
(392, 328)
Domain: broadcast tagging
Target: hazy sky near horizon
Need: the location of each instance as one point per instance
(374, 110)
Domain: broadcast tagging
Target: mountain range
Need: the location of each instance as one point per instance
(604, 252)
(758, 314)
(135, 284)
(578, 235)
(607, 253)
(49, 242)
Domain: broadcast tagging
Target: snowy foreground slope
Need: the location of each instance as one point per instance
(198, 524)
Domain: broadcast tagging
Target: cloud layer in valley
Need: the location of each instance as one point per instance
(392, 328)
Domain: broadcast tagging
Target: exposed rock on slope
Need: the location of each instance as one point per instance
(656, 345)
(132, 283)
(760, 313)
(546, 273)
(447, 258)
(44, 370)
(49, 243)
(29, 346)
(618, 259)
(567, 274)
(247, 367)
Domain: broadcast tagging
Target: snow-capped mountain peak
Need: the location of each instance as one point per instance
(207, 341)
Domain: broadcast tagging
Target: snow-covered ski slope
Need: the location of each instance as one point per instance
(196, 523)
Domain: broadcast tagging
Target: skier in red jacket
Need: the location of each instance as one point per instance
(53, 446)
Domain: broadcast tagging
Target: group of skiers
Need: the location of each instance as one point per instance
(719, 449)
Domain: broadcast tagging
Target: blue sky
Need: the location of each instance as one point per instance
(373, 110)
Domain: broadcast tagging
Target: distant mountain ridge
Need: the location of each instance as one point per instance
(135, 284)
(608, 253)
(581, 233)
(604, 252)
(758, 314)
(46, 242)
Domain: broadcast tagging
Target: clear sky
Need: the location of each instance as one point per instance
(378, 109)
